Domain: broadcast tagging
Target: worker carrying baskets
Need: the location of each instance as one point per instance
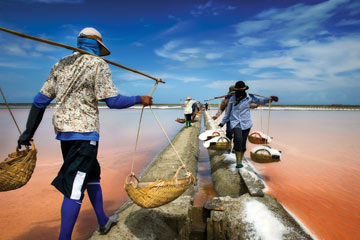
(77, 82)
(238, 114)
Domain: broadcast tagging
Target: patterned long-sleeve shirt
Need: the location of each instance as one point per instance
(78, 82)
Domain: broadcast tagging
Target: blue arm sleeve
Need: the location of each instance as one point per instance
(121, 101)
(41, 100)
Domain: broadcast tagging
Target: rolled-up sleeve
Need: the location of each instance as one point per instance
(49, 87)
(259, 100)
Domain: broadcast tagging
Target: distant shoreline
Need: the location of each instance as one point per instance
(335, 107)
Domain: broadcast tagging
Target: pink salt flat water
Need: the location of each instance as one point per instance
(318, 178)
(33, 211)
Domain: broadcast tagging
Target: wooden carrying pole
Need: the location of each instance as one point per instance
(232, 94)
(77, 50)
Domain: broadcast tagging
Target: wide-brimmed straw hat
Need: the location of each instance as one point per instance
(240, 85)
(188, 98)
(92, 33)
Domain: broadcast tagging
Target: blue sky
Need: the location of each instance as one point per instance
(305, 52)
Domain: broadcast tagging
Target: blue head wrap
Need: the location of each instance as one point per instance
(89, 45)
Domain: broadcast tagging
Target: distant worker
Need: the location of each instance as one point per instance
(222, 107)
(206, 106)
(188, 110)
(238, 115)
(195, 110)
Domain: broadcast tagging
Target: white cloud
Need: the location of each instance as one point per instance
(211, 8)
(14, 49)
(212, 56)
(185, 79)
(249, 27)
(247, 71)
(18, 65)
(319, 62)
(44, 48)
(176, 50)
(250, 41)
(348, 22)
(221, 85)
(192, 51)
(179, 27)
(137, 44)
(169, 51)
(298, 20)
(208, 42)
(291, 43)
(129, 76)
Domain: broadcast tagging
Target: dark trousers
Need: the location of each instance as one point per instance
(188, 117)
(229, 131)
(80, 166)
(240, 138)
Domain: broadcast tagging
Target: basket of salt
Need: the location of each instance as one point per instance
(16, 170)
(160, 192)
(182, 120)
(259, 138)
(208, 134)
(265, 154)
(219, 143)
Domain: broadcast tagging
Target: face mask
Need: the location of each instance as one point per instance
(240, 94)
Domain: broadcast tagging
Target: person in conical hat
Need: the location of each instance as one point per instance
(78, 82)
(238, 115)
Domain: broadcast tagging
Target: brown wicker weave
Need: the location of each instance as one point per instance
(182, 120)
(222, 144)
(160, 192)
(263, 156)
(256, 138)
(16, 170)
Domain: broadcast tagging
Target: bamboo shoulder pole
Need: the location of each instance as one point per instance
(77, 50)
(232, 94)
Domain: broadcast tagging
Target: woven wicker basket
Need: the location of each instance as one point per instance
(160, 192)
(222, 144)
(264, 156)
(16, 170)
(182, 120)
(256, 138)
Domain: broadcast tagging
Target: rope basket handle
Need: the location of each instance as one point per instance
(129, 178)
(178, 171)
(227, 140)
(214, 134)
(256, 133)
(263, 150)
